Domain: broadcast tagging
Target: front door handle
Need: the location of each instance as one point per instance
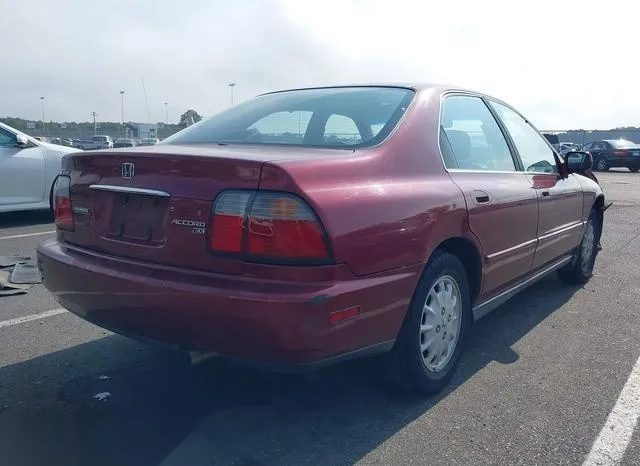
(481, 197)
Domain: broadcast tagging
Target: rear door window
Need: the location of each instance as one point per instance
(473, 136)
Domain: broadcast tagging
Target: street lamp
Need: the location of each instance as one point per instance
(166, 113)
(42, 102)
(122, 111)
(231, 86)
(95, 126)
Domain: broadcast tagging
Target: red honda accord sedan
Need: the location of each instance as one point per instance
(308, 226)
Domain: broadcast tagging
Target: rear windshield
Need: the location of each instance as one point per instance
(332, 118)
(623, 144)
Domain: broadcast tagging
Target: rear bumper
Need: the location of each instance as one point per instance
(270, 323)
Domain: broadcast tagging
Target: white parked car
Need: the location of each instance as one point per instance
(87, 144)
(104, 142)
(28, 169)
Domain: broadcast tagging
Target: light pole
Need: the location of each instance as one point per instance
(231, 86)
(42, 102)
(166, 113)
(95, 128)
(122, 111)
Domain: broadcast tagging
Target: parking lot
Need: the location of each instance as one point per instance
(537, 384)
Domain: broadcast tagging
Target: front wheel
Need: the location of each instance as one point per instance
(432, 336)
(602, 164)
(580, 269)
(634, 169)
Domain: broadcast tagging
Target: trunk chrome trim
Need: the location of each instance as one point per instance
(128, 190)
(484, 308)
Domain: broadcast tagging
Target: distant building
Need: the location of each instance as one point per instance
(141, 130)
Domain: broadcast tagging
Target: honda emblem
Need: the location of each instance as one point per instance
(128, 170)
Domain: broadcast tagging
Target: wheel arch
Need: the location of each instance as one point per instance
(598, 205)
(467, 252)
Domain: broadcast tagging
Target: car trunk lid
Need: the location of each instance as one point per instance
(153, 203)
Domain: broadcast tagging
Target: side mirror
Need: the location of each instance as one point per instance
(579, 161)
(21, 141)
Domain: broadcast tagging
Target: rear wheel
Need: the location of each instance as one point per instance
(602, 164)
(580, 269)
(432, 336)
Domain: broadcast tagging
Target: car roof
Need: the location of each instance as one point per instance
(437, 88)
(416, 86)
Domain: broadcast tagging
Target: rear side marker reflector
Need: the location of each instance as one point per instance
(344, 314)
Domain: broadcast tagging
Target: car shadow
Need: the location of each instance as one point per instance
(153, 399)
(25, 218)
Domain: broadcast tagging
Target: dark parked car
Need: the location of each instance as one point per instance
(611, 153)
(392, 219)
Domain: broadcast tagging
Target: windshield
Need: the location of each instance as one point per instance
(329, 117)
(622, 144)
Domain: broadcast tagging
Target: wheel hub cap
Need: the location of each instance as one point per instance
(588, 245)
(440, 323)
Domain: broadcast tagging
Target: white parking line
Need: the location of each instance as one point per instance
(609, 447)
(28, 234)
(29, 318)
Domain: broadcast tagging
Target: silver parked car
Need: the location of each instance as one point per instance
(105, 142)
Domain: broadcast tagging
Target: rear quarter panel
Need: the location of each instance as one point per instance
(384, 207)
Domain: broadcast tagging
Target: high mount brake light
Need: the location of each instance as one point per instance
(267, 226)
(62, 203)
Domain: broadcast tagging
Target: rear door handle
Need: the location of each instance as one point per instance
(481, 197)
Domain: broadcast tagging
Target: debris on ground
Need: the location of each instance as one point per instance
(9, 289)
(18, 274)
(10, 261)
(102, 396)
(26, 273)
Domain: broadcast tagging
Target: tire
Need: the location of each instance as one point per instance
(580, 269)
(602, 164)
(409, 368)
(634, 170)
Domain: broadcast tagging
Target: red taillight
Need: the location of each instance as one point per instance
(621, 153)
(229, 212)
(62, 203)
(267, 226)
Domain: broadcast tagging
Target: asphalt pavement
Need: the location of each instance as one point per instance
(541, 382)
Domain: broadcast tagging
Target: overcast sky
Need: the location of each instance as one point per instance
(563, 63)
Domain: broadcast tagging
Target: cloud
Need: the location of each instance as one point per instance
(546, 58)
